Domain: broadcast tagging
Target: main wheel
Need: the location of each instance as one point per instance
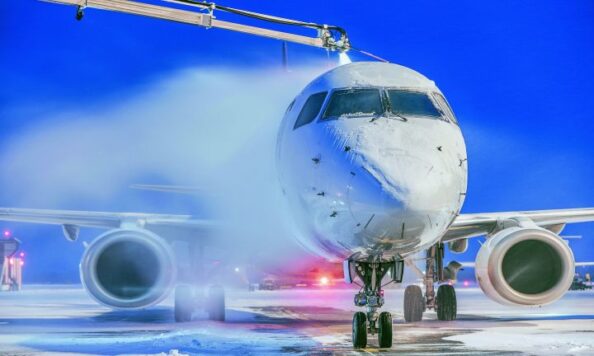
(414, 304)
(184, 303)
(216, 303)
(359, 330)
(445, 303)
(384, 335)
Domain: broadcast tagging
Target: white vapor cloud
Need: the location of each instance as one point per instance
(211, 127)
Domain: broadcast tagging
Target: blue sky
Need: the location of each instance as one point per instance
(519, 76)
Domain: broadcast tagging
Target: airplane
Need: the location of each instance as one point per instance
(373, 165)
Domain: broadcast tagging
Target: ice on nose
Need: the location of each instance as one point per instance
(400, 156)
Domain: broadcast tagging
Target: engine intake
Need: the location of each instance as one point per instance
(128, 268)
(525, 266)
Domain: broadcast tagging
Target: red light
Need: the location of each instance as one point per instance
(324, 281)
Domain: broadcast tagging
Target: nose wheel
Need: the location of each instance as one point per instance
(384, 335)
(359, 330)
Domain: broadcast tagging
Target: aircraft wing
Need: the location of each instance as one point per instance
(182, 189)
(472, 225)
(95, 219)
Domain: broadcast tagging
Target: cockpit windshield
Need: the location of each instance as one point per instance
(354, 103)
(410, 103)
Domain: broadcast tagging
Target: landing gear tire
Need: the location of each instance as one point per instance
(216, 303)
(414, 304)
(384, 336)
(446, 304)
(359, 330)
(184, 303)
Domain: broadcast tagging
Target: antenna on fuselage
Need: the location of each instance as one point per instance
(285, 57)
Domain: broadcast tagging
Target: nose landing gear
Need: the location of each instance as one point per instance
(371, 296)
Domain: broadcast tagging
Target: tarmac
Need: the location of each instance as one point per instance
(50, 319)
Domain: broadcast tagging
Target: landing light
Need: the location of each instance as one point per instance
(324, 281)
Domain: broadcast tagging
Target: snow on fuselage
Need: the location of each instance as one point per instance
(371, 161)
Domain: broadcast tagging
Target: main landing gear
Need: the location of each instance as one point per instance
(189, 299)
(371, 296)
(444, 303)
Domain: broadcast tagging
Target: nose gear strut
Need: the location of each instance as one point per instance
(371, 273)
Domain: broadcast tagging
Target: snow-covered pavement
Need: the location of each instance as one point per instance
(60, 319)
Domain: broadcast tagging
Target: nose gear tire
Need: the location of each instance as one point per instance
(384, 336)
(359, 330)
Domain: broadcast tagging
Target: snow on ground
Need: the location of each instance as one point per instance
(53, 319)
(543, 337)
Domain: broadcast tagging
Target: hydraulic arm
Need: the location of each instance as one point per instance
(328, 37)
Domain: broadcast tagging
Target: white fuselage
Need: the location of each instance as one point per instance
(379, 185)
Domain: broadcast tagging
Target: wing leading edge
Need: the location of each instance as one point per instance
(96, 219)
(473, 225)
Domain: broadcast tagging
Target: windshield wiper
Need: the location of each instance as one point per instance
(400, 116)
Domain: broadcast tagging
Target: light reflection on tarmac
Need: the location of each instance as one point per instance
(54, 319)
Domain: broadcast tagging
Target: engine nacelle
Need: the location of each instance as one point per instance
(128, 268)
(525, 266)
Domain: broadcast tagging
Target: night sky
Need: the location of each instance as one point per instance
(519, 76)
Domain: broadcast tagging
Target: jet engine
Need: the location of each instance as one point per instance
(525, 266)
(128, 269)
